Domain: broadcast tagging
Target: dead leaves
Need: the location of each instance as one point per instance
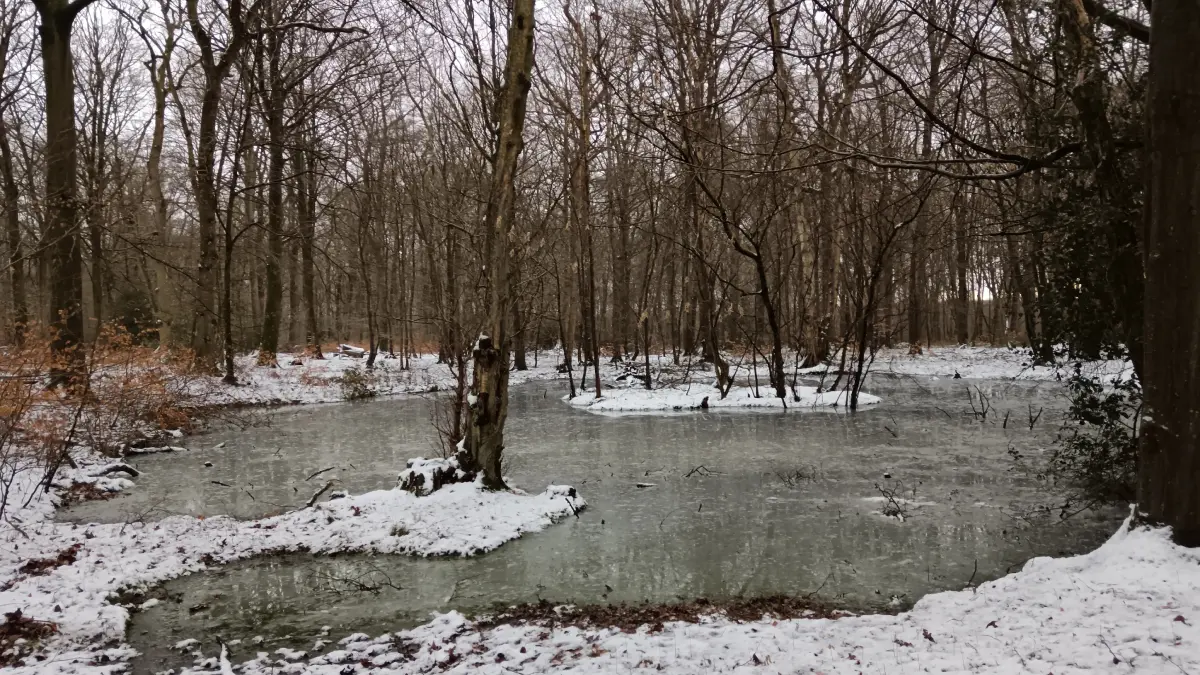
(42, 566)
(19, 634)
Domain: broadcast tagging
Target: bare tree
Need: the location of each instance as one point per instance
(489, 387)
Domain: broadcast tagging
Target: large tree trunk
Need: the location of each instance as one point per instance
(204, 335)
(62, 226)
(489, 408)
(1169, 467)
(268, 342)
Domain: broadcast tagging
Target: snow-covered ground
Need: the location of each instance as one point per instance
(691, 397)
(985, 363)
(302, 379)
(1131, 606)
(79, 596)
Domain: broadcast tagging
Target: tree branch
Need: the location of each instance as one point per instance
(1119, 22)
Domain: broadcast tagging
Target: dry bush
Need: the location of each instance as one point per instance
(24, 401)
(114, 392)
(133, 389)
(310, 379)
(357, 384)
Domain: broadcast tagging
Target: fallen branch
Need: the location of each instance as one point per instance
(317, 495)
(117, 468)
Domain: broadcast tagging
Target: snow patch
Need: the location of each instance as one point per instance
(680, 398)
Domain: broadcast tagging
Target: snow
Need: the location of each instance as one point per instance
(421, 473)
(682, 397)
(985, 363)
(460, 519)
(320, 380)
(1133, 605)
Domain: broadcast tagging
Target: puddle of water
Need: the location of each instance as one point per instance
(749, 525)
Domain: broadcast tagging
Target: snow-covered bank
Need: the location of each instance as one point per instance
(299, 378)
(984, 363)
(1133, 605)
(86, 566)
(683, 397)
(302, 379)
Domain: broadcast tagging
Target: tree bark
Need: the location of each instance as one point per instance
(273, 101)
(158, 200)
(1169, 466)
(488, 409)
(62, 217)
(12, 228)
(306, 203)
(204, 336)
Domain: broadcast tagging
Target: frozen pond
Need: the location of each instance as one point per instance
(786, 503)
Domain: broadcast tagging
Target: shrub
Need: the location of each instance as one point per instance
(357, 384)
(1097, 447)
(117, 391)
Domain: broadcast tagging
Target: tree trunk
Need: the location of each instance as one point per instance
(62, 226)
(306, 202)
(519, 321)
(205, 316)
(203, 175)
(961, 259)
(273, 307)
(12, 228)
(1169, 466)
(158, 200)
(489, 407)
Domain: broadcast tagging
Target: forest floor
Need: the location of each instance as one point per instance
(66, 589)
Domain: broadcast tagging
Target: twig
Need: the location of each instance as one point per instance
(1168, 660)
(823, 582)
(1116, 659)
(895, 508)
(573, 509)
(970, 582)
(318, 473)
(664, 518)
(1033, 419)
